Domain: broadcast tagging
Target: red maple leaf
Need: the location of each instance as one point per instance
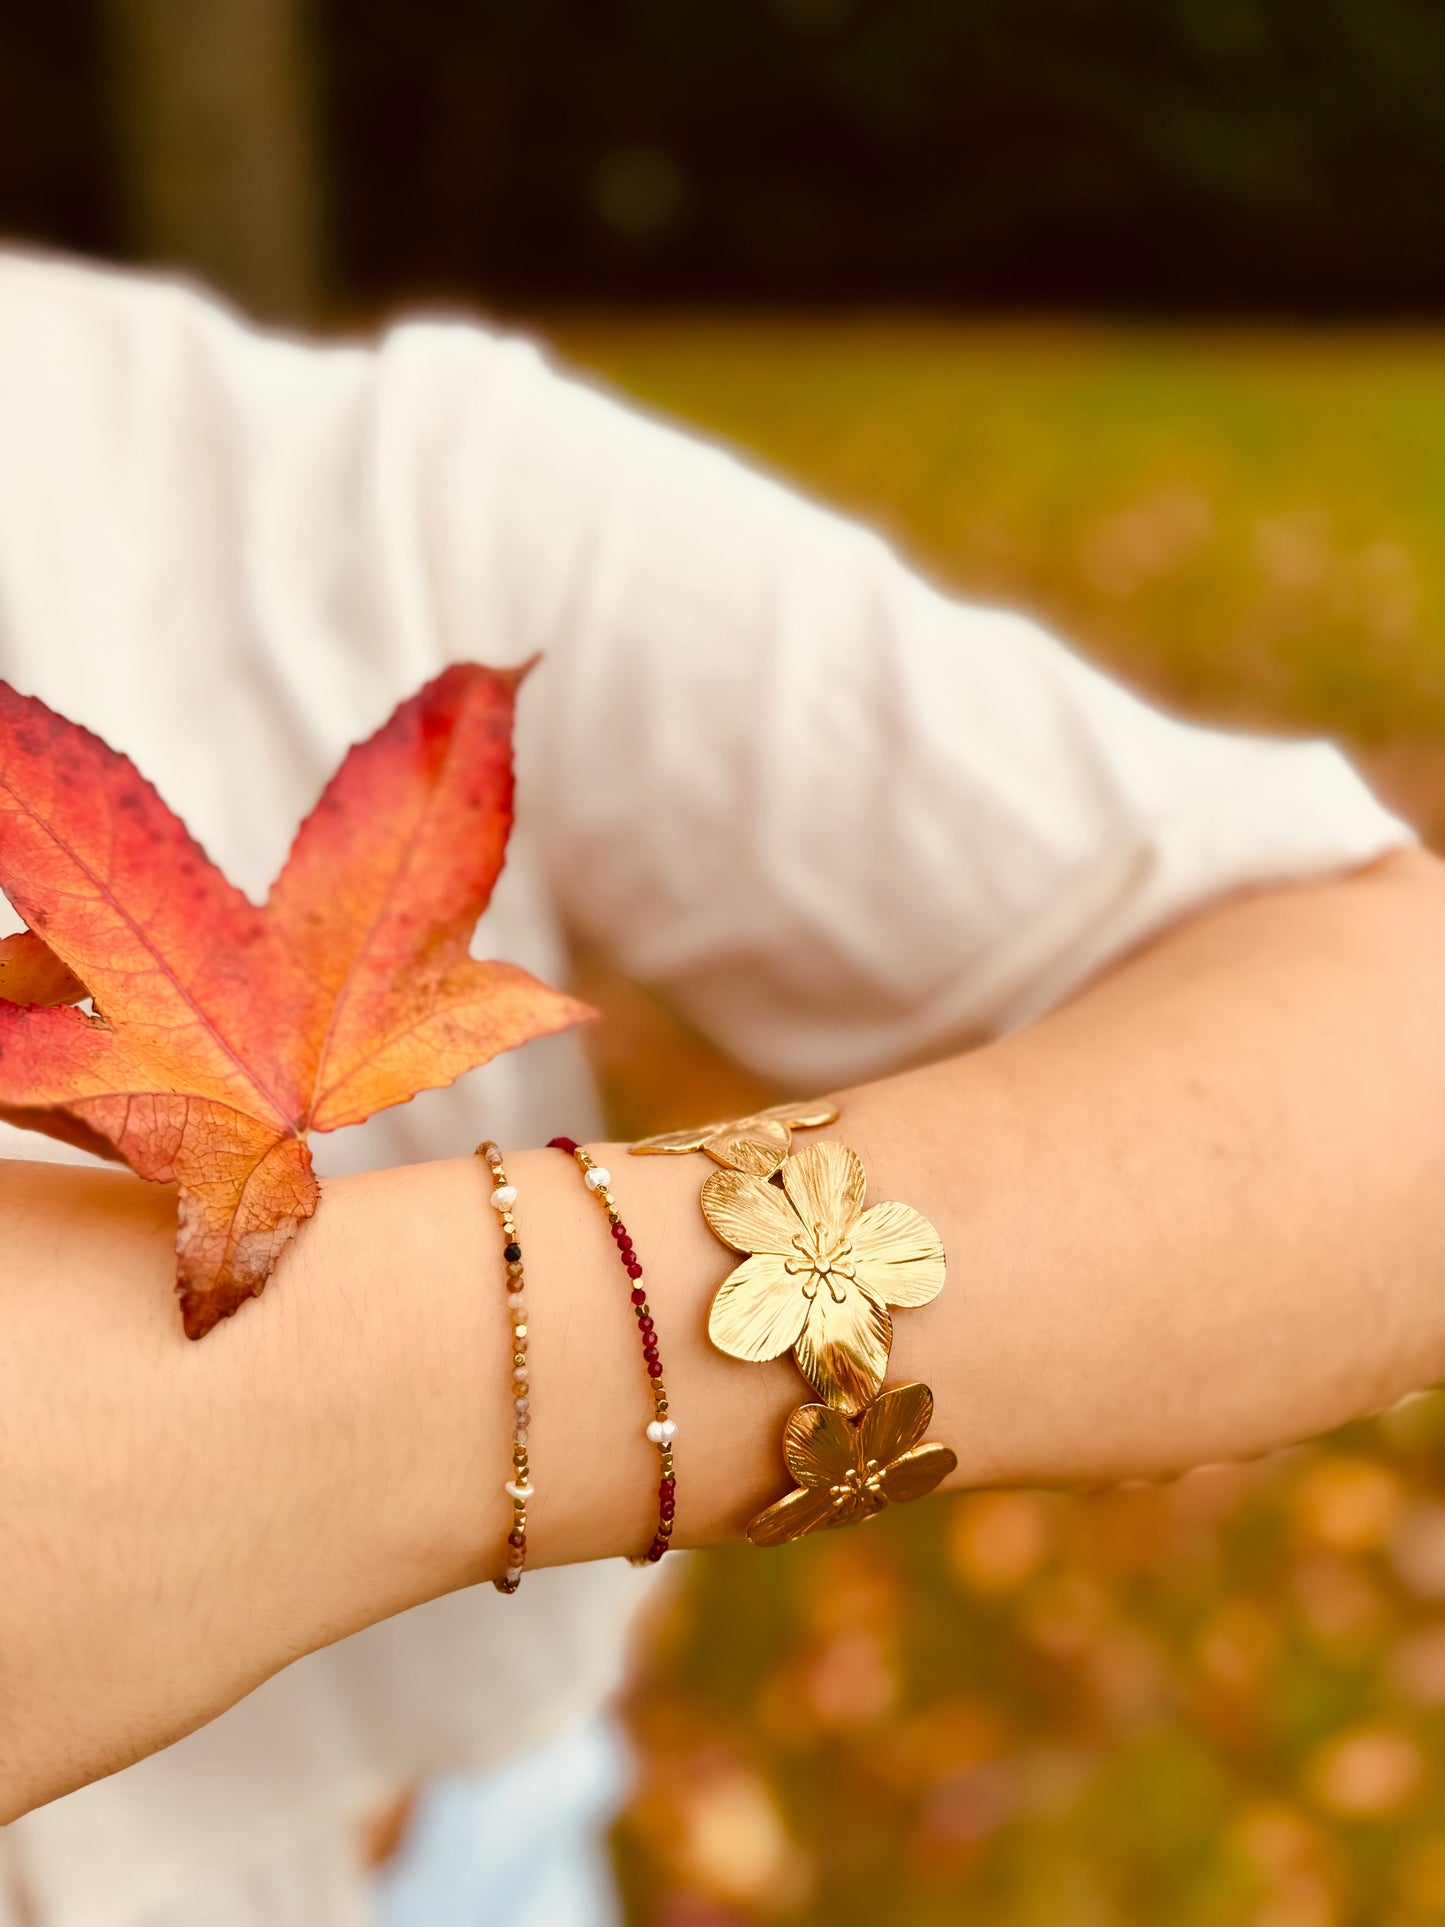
(223, 1033)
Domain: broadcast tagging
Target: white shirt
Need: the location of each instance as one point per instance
(839, 820)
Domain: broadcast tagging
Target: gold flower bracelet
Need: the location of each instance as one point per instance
(820, 1275)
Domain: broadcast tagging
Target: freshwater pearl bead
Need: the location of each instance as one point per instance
(598, 1178)
(516, 1491)
(662, 1431)
(504, 1195)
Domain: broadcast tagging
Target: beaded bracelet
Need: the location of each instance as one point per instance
(519, 1487)
(661, 1430)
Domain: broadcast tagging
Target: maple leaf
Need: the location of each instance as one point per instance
(222, 1032)
(31, 973)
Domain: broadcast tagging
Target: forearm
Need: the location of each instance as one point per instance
(1196, 1214)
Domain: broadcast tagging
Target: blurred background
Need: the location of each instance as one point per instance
(1125, 311)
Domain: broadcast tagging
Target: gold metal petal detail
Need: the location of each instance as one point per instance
(801, 1116)
(898, 1255)
(825, 1184)
(820, 1445)
(917, 1473)
(895, 1422)
(758, 1311)
(759, 1155)
(844, 1473)
(843, 1348)
(796, 1115)
(675, 1143)
(802, 1511)
(748, 1213)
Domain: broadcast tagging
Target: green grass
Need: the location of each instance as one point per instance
(1216, 1705)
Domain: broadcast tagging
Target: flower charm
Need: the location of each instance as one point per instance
(758, 1143)
(849, 1468)
(823, 1271)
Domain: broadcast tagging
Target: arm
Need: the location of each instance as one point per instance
(1193, 1215)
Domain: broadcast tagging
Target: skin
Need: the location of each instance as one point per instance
(1195, 1215)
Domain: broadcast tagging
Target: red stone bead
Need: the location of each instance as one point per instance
(655, 1551)
(668, 1479)
(654, 1368)
(645, 1325)
(516, 1538)
(639, 1296)
(667, 1508)
(567, 1144)
(634, 1270)
(619, 1231)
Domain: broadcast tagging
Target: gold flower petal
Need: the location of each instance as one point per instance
(917, 1472)
(758, 1148)
(800, 1116)
(825, 1184)
(820, 1445)
(898, 1255)
(758, 1311)
(895, 1422)
(842, 1350)
(771, 1126)
(804, 1510)
(675, 1141)
(747, 1213)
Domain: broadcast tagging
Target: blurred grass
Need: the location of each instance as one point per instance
(1218, 1704)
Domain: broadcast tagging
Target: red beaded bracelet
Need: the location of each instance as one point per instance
(661, 1430)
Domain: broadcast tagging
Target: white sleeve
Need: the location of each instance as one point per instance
(840, 820)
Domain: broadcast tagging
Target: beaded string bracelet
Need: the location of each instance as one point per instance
(824, 1272)
(661, 1430)
(519, 1487)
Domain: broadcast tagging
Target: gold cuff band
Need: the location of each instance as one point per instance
(821, 1276)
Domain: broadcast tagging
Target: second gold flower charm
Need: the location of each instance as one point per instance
(822, 1270)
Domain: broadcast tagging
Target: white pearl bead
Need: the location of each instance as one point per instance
(669, 1431)
(516, 1491)
(598, 1178)
(504, 1195)
(662, 1431)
